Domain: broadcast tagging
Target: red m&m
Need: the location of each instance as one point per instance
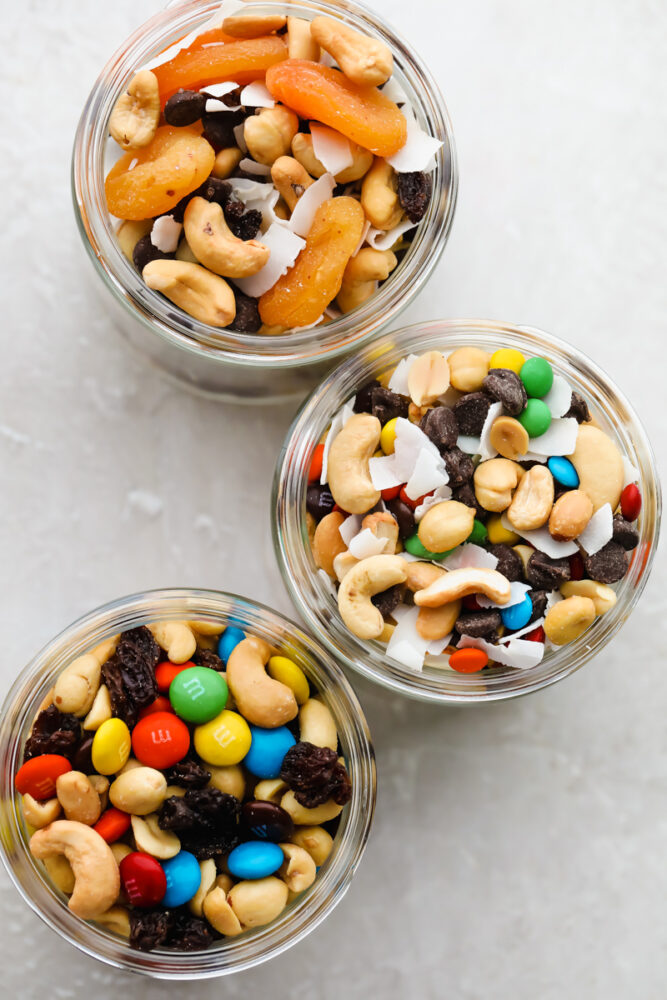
(631, 502)
(143, 879)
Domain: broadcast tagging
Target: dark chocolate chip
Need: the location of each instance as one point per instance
(466, 494)
(505, 386)
(262, 820)
(624, 533)
(470, 412)
(509, 563)
(440, 426)
(608, 565)
(389, 599)
(479, 624)
(544, 573)
(319, 501)
(385, 404)
(247, 319)
(184, 108)
(144, 252)
(539, 600)
(219, 127)
(244, 225)
(83, 758)
(414, 193)
(579, 409)
(404, 515)
(459, 466)
(362, 401)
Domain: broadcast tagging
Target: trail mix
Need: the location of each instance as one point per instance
(270, 179)
(184, 783)
(470, 512)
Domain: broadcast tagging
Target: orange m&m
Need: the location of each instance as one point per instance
(160, 740)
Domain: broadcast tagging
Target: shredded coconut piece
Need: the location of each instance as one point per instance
(213, 104)
(350, 528)
(559, 439)
(301, 219)
(543, 541)
(471, 445)
(559, 397)
(366, 544)
(285, 247)
(406, 645)
(631, 474)
(331, 148)
(380, 239)
(263, 197)
(252, 167)
(257, 95)
(166, 233)
(239, 135)
(337, 424)
(328, 582)
(220, 89)
(470, 555)
(518, 591)
(399, 378)
(522, 654)
(486, 450)
(419, 150)
(527, 628)
(364, 234)
(393, 90)
(598, 531)
(429, 473)
(416, 461)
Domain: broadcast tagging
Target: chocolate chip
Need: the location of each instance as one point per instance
(184, 108)
(539, 601)
(389, 599)
(440, 426)
(247, 319)
(319, 501)
(466, 494)
(545, 573)
(83, 758)
(244, 225)
(213, 189)
(470, 412)
(144, 252)
(414, 193)
(609, 565)
(262, 820)
(579, 409)
(509, 563)
(219, 127)
(385, 404)
(479, 624)
(459, 466)
(404, 515)
(505, 386)
(624, 533)
(362, 401)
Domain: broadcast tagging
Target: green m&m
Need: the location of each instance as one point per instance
(537, 376)
(479, 534)
(415, 548)
(198, 694)
(536, 417)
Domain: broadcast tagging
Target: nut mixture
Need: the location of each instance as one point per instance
(183, 783)
(273, 172)
(468, 511)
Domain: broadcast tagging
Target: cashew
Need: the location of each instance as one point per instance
(468, 367)
(460, 582)
(101, 786)
(364, 60)
(78, 798)
(134, 119)
(259, 902)
(445, 525)
(436, 623)
(120, 851)
(130, 765)
(270, 790)
(226, 162)
(422, 575)
(269, 134)
(219, 913)
(300, 42)
(509, 438)
(130, 232)
(604, 598)
(342, 565)
(105, 649)
(316, 841)
(599, 466)
(207, 628)
(568, 619)
(298, 869)
(253, 25)
(100, 710)
(524, 553)
(77, 685)
(386, 633)
(116, 919)
(349, 479)
(384, 526)
(327, 542)
(215, 246)
(415, 413)
(317, 725)
(309, 817)
(291, 179)
(201, 294)
(208, 876)
(139, 791)
(229, 779)
(570, 515)
(260, 699)
(96, 877)
(302, 150)
(361, 276)
(39, 814)
(224, 882)
(60, 872)
(369, 577)
(151, 839)
(428, 377)
(494, 481)
(379, 195)
(176, 638)
(533, 500)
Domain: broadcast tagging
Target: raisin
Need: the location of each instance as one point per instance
(188, 774)
(385, 404)
(624, 533)
(479, 624)
(470, 412)
(362, 401)
(466, 495)
(609, 565)
(219, 127)
(315, 775)
(319, 501)
(545, 573)
(504, 386)
(440, 426)
(130, 674)
(185, 107)
(187, 932)
(148, 928)
(206, 821)
(459, 466)
(579, 409)
(244, 225)
(414, 193)
(404, 516)
(144, 252)
(247, 319)
(509, 563)
(53, 732)
(389, 599)
(207, 658)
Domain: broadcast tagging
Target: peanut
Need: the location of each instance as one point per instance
(604, 598)
(509, 438)
(569, 619)
(428, 378)
(327, 542)
(300, 42)
(436, 623)
(599, 466)
(269, 134)
(494, 481)
(226, 162)
(78, 798)
(570, 515)
(445, 525)
(468, 367)
(533, 500)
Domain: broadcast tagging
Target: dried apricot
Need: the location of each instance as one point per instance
(363, 114)
(241, 60)
(301, 296)
(151, 181)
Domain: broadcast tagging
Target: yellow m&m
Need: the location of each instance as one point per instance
(224, 740)
(507, 357)
(111, 747)
(287, 672)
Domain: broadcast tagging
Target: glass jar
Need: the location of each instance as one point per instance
(221, 363)
(299, 918)
(315, 601)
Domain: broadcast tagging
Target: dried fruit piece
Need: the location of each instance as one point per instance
(301, 295)
(53, 732)
(130, 674)
(315, 775)
(414, 193)
(212, 62)
(320, 93)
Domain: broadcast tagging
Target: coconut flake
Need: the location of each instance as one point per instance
(393, 90)
(598, 531)
(331, 148)
(133, 164)
(471, 445)
(329, 584)
(285, 247)
(486, 450)
(220, 89)
(559, 397)
(383, 473)
(406, 645)
(429, 473)
(350, 528)
(442, 493)
(166, 233)
(252, 167)
(263, 197)
(517, 593)
(399, 378)
(302, 217)
(364, 234)
(559, 439)
(239, 135)
(337, 424)
(226, 9)
(257, 95)
(326, 59)
(366, 544)
(530, 627)
(415, 461)
(470, 555)
(213, 104)
(542, 540)
(419, 150)
(522, 654)
(380, 239)
(630, 473)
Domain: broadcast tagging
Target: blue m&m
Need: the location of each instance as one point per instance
(563, 472)
(517, 615)
(267, 750)
(255, 859)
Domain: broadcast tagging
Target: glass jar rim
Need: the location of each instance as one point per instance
(314, 602)
(298, 919)
(294, 349)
